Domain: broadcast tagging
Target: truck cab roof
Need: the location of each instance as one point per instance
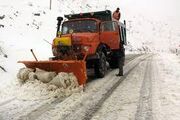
(100, 15)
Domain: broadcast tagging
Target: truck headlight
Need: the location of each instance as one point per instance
(86, 48)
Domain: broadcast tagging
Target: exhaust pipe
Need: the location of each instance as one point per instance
(59, 19)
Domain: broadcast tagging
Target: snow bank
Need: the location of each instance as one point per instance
(44, 76)
(65, 80)
(37, 90)
(29, 87)
(23, 74)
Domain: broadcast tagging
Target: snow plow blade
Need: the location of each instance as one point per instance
(78, 67)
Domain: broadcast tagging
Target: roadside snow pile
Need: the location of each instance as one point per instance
(23, 74)
(44, 85)
(64, 80)
(42, 75)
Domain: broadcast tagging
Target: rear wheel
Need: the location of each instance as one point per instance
(100, 67)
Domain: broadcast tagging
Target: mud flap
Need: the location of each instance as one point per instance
(78, 67)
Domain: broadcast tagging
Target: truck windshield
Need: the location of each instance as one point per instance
(79, 26)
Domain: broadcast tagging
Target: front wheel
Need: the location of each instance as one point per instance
(100, 67)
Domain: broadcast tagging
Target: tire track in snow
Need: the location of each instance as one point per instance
(89, 115)
(144, 110)
(37, 110)
(87, 109)
(14, 109)
(41, 109)
(50, 105)
(122, 103)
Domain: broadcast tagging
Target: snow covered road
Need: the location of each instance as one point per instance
(149, 90)
(122, 103)
(14, 108)
(148, 93)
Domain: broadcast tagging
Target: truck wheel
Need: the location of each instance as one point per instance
(100, 67)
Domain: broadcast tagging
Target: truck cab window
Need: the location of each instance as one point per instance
(79, 26)
(109, 26)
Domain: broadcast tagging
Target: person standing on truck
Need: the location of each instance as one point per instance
(117, 14)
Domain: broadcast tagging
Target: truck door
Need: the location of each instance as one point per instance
(109, 34)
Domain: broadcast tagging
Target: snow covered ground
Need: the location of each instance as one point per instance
(52, 108)
(150, 91)
(141, 97)
(26, 24)
(166, 90)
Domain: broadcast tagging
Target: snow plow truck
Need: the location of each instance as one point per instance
(85, 40)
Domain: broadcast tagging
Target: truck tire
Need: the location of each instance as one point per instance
(100, 67)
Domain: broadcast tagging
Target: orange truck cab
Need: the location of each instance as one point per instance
(93, 37)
